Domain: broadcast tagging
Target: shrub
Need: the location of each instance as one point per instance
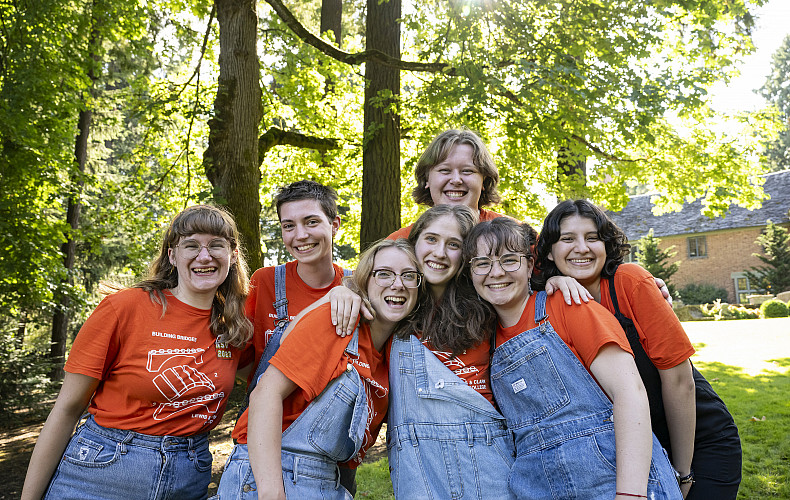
(719, 310)
(774, 309)
(702, 293)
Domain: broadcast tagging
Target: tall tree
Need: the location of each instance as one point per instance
(773, 276)
(655, 260)
(231, 159)
(777, 92)
(381, 147)
(62, 314)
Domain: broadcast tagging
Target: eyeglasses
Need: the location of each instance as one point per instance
(385, 278)
(509, 262)
(217, 248)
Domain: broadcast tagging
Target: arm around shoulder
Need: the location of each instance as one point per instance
(75, 394)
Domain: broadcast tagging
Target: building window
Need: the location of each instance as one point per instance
(697, 247)
(632, 256)
(742, 287)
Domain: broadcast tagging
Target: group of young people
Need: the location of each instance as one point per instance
(491, 385)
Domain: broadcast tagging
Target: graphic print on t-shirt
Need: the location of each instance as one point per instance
(181, 382)
(460, 368)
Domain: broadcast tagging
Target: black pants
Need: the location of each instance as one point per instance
(717, 454)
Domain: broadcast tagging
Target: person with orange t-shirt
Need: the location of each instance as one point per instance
(565, 380)
(307, 417)
(455, 169)
(309, 222)
(439, 376)
(688, 417)
(155, 365)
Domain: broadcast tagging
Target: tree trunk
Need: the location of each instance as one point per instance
(231, 159)
(331, 17)
(381, 188)
(62, 315)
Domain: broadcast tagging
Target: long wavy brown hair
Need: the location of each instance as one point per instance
(228, 321)
(459, 320)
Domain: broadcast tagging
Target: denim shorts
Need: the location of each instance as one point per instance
(105, 463)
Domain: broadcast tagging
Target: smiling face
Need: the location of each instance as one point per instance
(456, 180)
(507, 291)
(395, 302)
(308, 232)
(439, 252)
(579, 253)
(199, 277)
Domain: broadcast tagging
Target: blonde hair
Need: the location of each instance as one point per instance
(358, 282)
(228, 319)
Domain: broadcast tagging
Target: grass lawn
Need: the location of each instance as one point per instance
(747, 363)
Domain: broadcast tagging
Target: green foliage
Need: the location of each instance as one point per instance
(776, 91)
(774, 275)
(23, 375)
(656, 260)
(761, 410)
(702, 293)
(719, 310)
(774, 309)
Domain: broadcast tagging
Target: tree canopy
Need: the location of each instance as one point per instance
(621, 85)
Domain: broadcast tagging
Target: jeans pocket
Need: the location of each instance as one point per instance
(201, 458)
(95, 451)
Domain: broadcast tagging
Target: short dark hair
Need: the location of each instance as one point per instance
(308, 190)
(502, 233)
(615, 240)
(438, 151)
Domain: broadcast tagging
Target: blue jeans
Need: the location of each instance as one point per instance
(105, 463)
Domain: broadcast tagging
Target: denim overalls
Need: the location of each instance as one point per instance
(562, 421)
(330, 430)
(104, 463)
(445, 440)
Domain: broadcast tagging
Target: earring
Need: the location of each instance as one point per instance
(529, 287)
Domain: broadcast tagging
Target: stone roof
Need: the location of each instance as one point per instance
(636, 218)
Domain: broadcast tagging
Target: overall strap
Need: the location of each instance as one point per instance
(540, 307)
(280, 300)
(280, 324)
(347, 272)
(352, 349)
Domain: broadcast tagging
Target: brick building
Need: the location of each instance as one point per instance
(713, 251)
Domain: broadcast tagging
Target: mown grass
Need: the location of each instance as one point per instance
(766, 441)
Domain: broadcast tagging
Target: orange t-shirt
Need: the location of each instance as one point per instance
(159, 375)
(404, 231)
(585, 328)
(660, 332)
(313, 355)
(261, 311)
(472, 366)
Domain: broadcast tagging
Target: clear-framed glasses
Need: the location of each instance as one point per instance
(509, 262)
(385, 278)
(217, 248)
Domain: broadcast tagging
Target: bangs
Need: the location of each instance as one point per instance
(503, 239)
(201, 219)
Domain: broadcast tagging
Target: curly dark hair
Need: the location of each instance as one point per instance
(615, 241)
